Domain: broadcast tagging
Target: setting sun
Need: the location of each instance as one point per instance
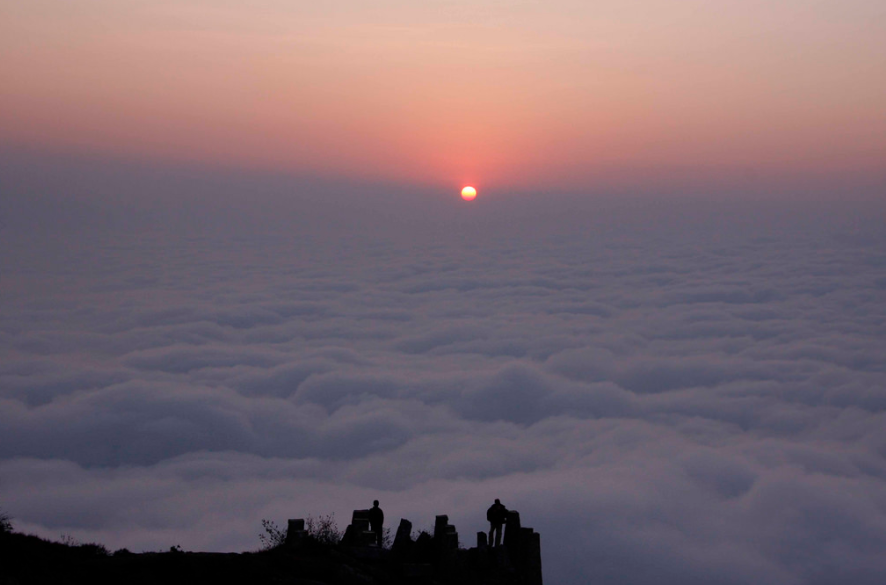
(468, 193)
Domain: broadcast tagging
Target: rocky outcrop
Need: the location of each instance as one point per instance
(438, 558)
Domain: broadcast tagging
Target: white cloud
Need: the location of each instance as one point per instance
(666, 402)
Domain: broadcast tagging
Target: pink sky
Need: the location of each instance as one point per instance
(555, 95)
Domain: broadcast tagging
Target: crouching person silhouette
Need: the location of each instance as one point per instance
(376, 521)
(497, 515)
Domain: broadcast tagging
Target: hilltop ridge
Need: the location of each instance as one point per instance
(298, 559)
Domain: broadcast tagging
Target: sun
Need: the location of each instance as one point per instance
(468, 193)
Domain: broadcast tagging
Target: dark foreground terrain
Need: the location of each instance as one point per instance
(427, 560)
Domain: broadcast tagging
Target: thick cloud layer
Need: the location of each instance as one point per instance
(671, 393)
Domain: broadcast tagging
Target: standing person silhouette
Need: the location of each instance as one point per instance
(376, 521)
(497, 515)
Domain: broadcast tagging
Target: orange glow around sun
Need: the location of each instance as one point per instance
(468, 193)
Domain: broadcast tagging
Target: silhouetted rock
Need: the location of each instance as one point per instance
(403, 540)
(295, 532)
(438, 558)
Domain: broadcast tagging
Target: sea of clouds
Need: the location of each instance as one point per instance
(668, 391)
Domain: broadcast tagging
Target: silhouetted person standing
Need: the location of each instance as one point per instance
(497, 515)
(376, 521)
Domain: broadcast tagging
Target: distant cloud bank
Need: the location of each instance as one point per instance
(692, 394)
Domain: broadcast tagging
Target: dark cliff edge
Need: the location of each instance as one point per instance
(300, 560)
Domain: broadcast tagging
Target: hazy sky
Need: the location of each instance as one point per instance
(561, 95)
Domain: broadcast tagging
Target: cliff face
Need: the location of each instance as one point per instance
(428, 560)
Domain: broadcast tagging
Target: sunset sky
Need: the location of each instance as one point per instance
(238, 281)
(561, 95)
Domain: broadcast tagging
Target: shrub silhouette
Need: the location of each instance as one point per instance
(273, 537)
(322, 530)
(5, 522)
